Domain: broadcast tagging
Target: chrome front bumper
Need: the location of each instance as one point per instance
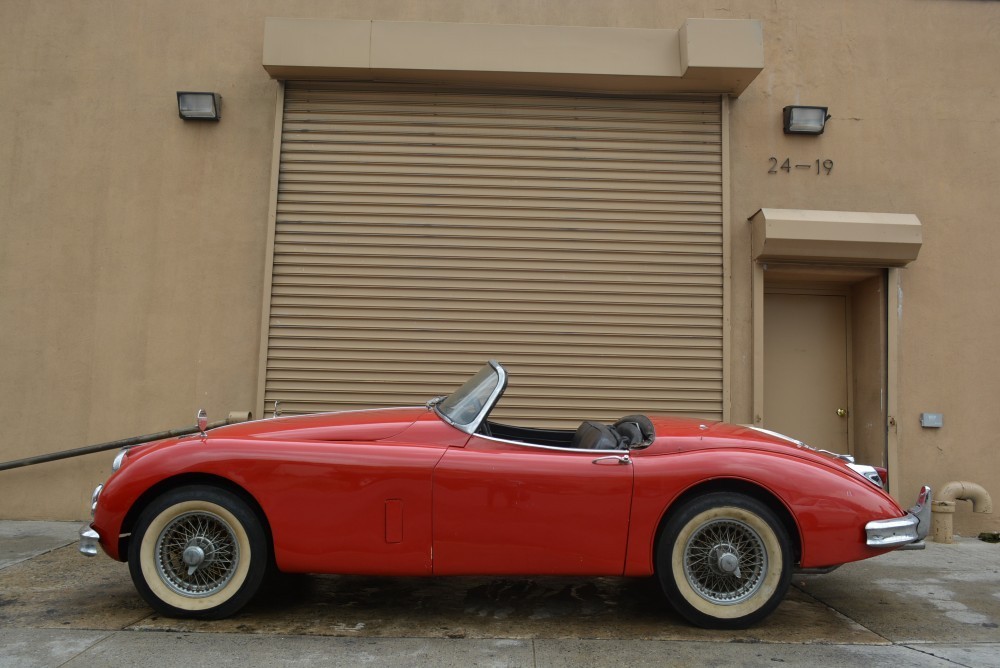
(90, 541)
(908, 531)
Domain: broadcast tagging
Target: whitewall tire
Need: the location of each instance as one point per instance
(724, 560)
(198, 551)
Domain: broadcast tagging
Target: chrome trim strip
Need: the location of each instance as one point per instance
(781, 436)
(844, 458)
(555, 448)
(346, 410)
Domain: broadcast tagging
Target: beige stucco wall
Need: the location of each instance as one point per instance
(132, 244)
(915, 127)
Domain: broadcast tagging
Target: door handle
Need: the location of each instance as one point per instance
(613, 459)
(842, 412)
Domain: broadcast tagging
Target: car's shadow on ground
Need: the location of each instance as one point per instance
(62, 590)
(465, 606)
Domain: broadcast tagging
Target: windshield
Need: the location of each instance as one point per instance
(467, 405)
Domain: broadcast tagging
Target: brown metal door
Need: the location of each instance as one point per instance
(806, 368)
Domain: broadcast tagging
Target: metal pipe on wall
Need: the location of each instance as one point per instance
(232, 418)
(943, 507)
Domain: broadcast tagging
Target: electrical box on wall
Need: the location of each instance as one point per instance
(932, 420)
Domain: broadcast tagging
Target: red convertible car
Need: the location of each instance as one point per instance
(721, 515)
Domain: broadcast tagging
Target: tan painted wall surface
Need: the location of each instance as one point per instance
(131, 261)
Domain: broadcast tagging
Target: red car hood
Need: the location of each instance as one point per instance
(359, 426)
(367, 425)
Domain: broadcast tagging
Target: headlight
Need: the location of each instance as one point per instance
(119, 458)
(93, 499)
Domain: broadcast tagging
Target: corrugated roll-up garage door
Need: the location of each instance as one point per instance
(420, 232)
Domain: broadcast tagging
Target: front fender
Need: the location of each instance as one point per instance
(146, 470)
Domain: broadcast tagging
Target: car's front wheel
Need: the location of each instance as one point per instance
(724, 560)
(198, 551)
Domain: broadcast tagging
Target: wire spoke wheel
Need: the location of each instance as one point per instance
(198, 551)
(197, 554)
(724, 560)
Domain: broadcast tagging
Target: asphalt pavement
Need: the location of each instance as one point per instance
(936, 607)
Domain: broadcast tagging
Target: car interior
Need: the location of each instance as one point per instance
(630, 432)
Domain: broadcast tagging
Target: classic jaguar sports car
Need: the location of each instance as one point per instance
(720, 514)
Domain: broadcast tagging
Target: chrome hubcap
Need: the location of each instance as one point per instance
(197, 554)
(725, 561)
(728, 563)
(193, 556)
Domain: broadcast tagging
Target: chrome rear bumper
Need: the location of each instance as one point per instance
(90, 540)
(909, 530)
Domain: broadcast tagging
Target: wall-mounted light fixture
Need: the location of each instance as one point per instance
(805, 120)
(199, 106)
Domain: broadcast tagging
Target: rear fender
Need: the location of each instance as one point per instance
(828, 507)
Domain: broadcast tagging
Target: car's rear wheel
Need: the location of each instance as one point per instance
(198, 551)
(724, 560)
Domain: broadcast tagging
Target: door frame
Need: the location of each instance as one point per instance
(893, 323)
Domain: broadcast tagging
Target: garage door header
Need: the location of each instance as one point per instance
(704, 56)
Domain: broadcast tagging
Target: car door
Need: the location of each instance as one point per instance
(349, 507)
(506, 508)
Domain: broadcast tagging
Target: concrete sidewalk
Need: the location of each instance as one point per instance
(937, 607)
(20, 541)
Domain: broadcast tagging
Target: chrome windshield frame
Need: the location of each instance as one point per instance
(494, 396)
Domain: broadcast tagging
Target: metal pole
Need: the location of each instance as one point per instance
(122, 443)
